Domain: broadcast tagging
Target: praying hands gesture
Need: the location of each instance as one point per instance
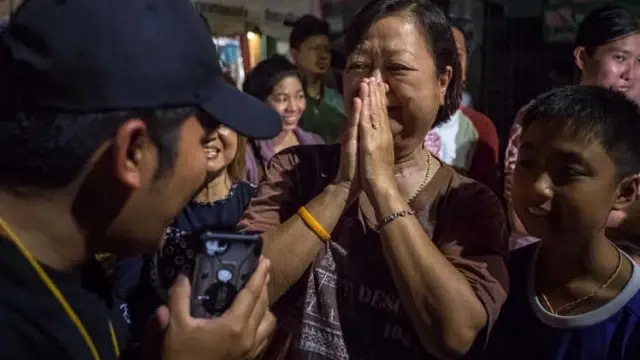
(367, 154)
(375, 145)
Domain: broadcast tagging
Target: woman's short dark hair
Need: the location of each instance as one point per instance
(437, 32)
(604, 25)
(267, 74)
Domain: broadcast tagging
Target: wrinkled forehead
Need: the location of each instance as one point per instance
(392, 35)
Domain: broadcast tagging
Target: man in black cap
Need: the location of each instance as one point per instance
(104, 107)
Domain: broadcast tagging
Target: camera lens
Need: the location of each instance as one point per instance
(218, 298)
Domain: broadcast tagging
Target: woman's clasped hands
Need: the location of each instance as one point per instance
(367, 153)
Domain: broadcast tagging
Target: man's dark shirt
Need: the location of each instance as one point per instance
(34, 325)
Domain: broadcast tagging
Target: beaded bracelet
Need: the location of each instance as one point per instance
(394, 216)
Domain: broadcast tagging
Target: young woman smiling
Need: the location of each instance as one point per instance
(277, 82)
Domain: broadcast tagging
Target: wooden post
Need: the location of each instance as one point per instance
(246, 53)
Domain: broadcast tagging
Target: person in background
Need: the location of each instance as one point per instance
(464, 35)
(379, 250)
(574, 295)
(468, 140)
(102, 147)
(311, 52)
(277, 82)
(607, 53)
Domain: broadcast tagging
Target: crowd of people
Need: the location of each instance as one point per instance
(385, 229)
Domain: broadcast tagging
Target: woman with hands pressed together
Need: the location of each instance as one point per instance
(378, 249)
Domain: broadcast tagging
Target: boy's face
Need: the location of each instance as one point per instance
(564, 186)
(314, 55)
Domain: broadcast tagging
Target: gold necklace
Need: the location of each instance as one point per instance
(227, 183)
(424, 181)
(572, 305)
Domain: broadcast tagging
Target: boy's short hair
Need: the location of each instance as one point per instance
(306, 27)
(593, 113)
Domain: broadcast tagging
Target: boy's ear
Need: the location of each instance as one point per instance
(627, 192)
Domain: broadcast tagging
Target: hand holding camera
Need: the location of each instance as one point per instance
(223, 265)
(241, 332)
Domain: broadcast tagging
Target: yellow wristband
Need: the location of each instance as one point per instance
(313, 224)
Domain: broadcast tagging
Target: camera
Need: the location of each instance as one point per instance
(223, 265)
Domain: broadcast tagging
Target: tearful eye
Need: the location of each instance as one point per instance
(357, 66)
(396, 68)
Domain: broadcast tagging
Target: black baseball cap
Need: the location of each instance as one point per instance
(102, 55)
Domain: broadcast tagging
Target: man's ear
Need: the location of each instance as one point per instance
(580, 58)
(627, 192)
(130, 147)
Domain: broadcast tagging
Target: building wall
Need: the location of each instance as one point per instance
(6, 6)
